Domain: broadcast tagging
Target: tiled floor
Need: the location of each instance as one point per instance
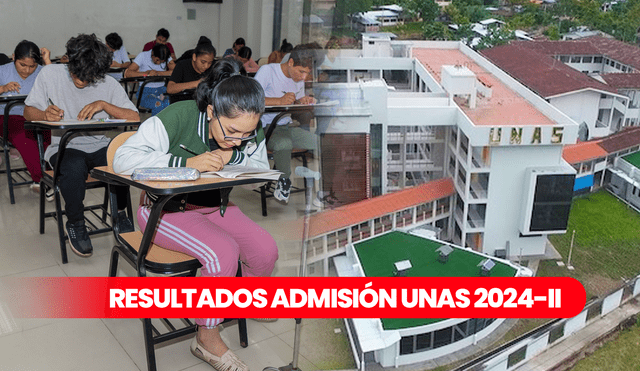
(117, 344)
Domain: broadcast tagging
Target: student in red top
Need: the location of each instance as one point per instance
(161, 38)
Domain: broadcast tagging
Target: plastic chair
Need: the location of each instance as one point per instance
(91, 183)
(158, 260)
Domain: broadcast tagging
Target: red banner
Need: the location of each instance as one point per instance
(287, 297)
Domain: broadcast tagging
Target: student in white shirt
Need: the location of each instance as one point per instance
(155, 62)
(283, 84)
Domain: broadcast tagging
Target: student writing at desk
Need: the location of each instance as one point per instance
(120, 55)
(162, 37)
(80, 90)
(189, 72)
(17, 78)
(244, 57)
(155, 62)
(283, 85)
(220, 127)
(239, 43)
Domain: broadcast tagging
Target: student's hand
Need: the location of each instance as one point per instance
(287, 99)
(53, 113)
(64, 59)
(12, 86)
(307, 100)
(208, 161)
(91, 109)
(225, 154)
(152, 73)
(46, 55)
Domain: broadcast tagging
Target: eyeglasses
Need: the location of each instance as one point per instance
(248, 137)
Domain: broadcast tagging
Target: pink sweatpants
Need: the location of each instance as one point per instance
(26, 143)
(217, 242)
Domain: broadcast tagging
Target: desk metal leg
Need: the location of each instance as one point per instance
(145, 244)
(59, 220)
(5, 143)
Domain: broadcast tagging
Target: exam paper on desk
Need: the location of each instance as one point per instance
(78, 122)
(238, 171)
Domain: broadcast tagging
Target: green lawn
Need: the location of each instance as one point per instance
(607, 240)
(606, 248)
(617, 355)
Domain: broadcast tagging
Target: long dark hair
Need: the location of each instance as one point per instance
(228, 89)
(27, 49)
(161, 51)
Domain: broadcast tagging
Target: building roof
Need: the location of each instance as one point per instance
(618, 50)
(377, 256)
(633, 159)
(624, 139)
(541, 73)
(585, 151)
(622, 80)
(593, 45)
(372, 208)
(394, 7)
(505, 108)
(491, 21)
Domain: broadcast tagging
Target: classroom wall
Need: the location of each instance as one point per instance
(50, 23)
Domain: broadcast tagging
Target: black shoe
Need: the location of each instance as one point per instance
(79, 239)
(124, 223)
(283, 190)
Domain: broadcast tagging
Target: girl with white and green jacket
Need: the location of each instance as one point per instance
(222, 127)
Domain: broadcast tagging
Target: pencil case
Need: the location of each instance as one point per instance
(165, 173)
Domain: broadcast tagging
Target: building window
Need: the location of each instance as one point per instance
(597, 59)
(516, 357)
(575, 59)
(406, 345)
(423, 341)
(442, 337)
(618, 66)
(587, 59)
(564, 58)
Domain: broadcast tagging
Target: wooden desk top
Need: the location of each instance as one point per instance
(77, 125)
(106, 173)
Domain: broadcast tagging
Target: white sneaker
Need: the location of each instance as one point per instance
(283, 190)
(49, 195)
(35, 187)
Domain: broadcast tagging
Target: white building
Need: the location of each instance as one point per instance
(397, 342)
(463, 118)
(593, 81)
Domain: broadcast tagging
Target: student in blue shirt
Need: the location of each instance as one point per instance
(155, 62)
(17, 78)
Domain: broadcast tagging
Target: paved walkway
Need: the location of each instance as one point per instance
(566, 348)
